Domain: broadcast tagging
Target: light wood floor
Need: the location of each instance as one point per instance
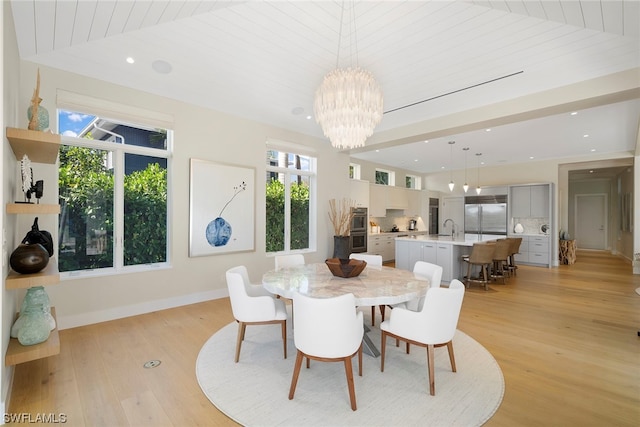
(565, 338)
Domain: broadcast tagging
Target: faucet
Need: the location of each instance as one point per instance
(453, 226)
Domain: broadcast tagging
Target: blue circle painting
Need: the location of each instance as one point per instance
(218, 232)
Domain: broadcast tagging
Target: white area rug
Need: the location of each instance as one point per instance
(254, 392)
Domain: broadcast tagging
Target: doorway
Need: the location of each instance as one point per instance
(591, 221)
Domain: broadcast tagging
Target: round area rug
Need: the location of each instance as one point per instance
(254, 391)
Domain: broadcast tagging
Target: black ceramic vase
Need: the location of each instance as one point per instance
(29, 259)
(341, 247)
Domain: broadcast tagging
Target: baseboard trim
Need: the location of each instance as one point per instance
(74, 321)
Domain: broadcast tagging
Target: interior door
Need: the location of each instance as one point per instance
(591, 221)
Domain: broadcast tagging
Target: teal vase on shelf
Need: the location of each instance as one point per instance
(34, 327)
(42, 122)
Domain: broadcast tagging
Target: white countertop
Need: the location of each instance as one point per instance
(467, 240)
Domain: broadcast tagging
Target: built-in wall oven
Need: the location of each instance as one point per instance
(359, 234)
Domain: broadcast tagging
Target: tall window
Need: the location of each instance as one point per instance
(113, 194)
(290, 198)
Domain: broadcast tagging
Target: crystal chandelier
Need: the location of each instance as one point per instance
(348, 104)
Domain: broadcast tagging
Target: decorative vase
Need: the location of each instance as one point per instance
(35, 327)
(29, 259)
(36, 296)
(42, 122)
(341, 248)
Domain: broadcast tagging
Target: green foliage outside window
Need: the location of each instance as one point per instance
(86, 197)
(275, 216)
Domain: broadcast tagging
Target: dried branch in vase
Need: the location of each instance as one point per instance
(341, 214)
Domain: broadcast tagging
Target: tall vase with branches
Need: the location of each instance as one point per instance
(341, 214)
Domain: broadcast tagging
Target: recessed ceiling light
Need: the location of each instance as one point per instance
(488, 130)
(574, 113)
(130, 60)
(586, 135)
(415, 160)
(377, 151)
(593, 149)
(426, 142)
(531, 157)
(161, 67)
(591, 171)
(308, 117)
(442, 167)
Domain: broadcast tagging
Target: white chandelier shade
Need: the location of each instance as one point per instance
(348, 106)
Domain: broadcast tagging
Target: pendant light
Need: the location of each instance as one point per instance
(465, 187)
(451, 184)
(478, 189)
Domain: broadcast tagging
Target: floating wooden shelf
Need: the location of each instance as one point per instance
(32, 208)
(18, 353)
(46, 277)
(40, 147)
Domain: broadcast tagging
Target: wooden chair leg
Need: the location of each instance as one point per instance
(296, 372)
(241, 328)
(430, 363)
(284, 337)
(383, 347)
(373, 315)
(350, 384)
(360, 360)
(382, 310)
(452, 358)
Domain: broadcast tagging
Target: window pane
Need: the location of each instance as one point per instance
(275, 212)
(145, 210)
(299, 212)
(288, 160)
(86, 200)
(382, 177)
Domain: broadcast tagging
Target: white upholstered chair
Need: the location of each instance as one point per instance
(433, 326)
(433, 273)
(373, 260)
(328, 338)
(283, 261)
(253, 305)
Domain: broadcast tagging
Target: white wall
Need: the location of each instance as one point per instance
(198, 133)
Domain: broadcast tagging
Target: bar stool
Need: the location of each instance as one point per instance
(515, 248)
(481, 256)
(500, 259)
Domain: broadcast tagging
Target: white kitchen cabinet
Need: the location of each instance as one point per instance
(359, 193)
(444, 259)
(530, 201)
(377, 200)
(397, 198)
(383, 245)
(534, 250)
(414, 199)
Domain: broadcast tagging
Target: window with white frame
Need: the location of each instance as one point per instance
(354, 171)
(290, 200)
(113, 193)
(385, 177)
(413, 181)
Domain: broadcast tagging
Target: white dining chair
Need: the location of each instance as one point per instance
(373, 260)
(433, 326)
(283, 261)
(334, 338)
(253, 305)
(433, 273)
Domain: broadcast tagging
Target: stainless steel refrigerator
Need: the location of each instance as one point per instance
(485, 215)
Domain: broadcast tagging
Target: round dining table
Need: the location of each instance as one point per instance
(376, 285)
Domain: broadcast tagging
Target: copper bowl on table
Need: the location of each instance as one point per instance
(345, 267)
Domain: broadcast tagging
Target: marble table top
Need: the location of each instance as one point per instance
(374, 286)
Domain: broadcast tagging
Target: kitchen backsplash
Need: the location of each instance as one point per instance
(402, 222)
(529, 225)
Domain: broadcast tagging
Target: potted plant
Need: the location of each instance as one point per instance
(341, 214)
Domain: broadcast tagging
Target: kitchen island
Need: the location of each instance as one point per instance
(441, 250)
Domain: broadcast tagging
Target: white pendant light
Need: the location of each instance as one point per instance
(465, 187)
(348, 104)
(478, 189)
(451, 184)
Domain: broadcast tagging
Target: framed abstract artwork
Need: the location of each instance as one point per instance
(221, 208)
